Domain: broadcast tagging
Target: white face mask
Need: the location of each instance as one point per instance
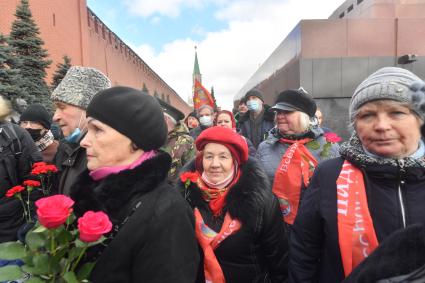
(206, 121)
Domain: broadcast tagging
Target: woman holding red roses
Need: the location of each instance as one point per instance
(152, 238)
(238, 226)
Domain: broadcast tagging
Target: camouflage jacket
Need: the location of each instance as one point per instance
(181, 148)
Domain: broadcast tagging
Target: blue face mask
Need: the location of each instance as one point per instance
(73, 137)
(253, 105)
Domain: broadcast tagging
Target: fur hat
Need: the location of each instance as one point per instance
(79, 86)
(133, 113)
(5, 108)
(227, 137)
(387, 83)
(296, 100)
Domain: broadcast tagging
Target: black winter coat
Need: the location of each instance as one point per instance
(315, 253)
(157, 244)
(258, 252)
(246, 126)
(14, 168)
(71, 161)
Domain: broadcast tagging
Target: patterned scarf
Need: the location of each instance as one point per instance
(296, 167)
(209, 240)
(45, 141)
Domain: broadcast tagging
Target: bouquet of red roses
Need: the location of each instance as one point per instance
(54, 248)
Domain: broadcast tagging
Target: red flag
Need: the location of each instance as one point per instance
(201, 96)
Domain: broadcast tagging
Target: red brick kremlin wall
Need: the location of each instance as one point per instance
(69, 27)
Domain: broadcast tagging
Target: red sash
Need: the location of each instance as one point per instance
(208, 239)
(357, 238)
(297, 166)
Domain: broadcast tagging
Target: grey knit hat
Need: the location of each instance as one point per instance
(79, 86)
(387, 83)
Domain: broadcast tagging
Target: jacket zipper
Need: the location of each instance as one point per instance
(400, 195)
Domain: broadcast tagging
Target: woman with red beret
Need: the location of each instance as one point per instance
(237, 218)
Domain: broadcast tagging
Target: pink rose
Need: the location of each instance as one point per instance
(332, 137)
(93, 225)
(53, 211)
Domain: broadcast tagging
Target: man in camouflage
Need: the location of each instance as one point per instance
(179, 144)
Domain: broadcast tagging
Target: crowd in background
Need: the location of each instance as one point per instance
(259, 194)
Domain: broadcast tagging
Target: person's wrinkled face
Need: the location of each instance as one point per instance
(217, 162)
(288, 122)
(69, 117)
(224, 120)
(205, 112)
(192, 122)
(388, 128)
(107, 147)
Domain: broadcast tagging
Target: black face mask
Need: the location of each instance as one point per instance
(35, 134)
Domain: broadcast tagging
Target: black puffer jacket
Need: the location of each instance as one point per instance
(258, 252)
(246, 126)
(157, 244)
(390, 184)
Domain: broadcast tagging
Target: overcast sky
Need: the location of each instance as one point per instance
(234, 37)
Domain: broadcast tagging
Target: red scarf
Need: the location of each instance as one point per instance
(297, 166)
(209, 240)
(216, 198)
(357, 238)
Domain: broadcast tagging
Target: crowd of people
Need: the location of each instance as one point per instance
(261, 194)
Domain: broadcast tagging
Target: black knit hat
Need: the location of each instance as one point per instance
(170, 110)
(254, 92)
(131, 112)
(295, 100)
(37, 113)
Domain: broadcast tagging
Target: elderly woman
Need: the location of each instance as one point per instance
(238, 223)
(153, 238)
(293, 149)
(375, 188)
(226, 119)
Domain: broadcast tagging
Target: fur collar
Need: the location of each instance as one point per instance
(267, 116)
(245, 200)
(118, 193)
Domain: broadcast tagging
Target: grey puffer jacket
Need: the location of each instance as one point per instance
(271, 151)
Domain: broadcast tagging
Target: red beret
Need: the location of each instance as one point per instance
(227, 137)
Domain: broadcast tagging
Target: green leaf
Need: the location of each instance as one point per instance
(74, 253)
(10, 272)
(64, 237)
(35, 240)
(80, 244)
(85, 270)
(39, 229)
(70, 277)
(12, 250)
(314, 145)
(34, 280)
(71, 218)
(41, 264)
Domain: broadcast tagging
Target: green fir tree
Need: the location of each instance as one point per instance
(10, 78)
(61, 69)
(28, 47)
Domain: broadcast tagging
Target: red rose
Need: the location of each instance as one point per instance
(38, 164)
(192, 176)
(53, 211)
(14, 190)
(51, 168)
(93, 225)
(32, 183)
(332, 137)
